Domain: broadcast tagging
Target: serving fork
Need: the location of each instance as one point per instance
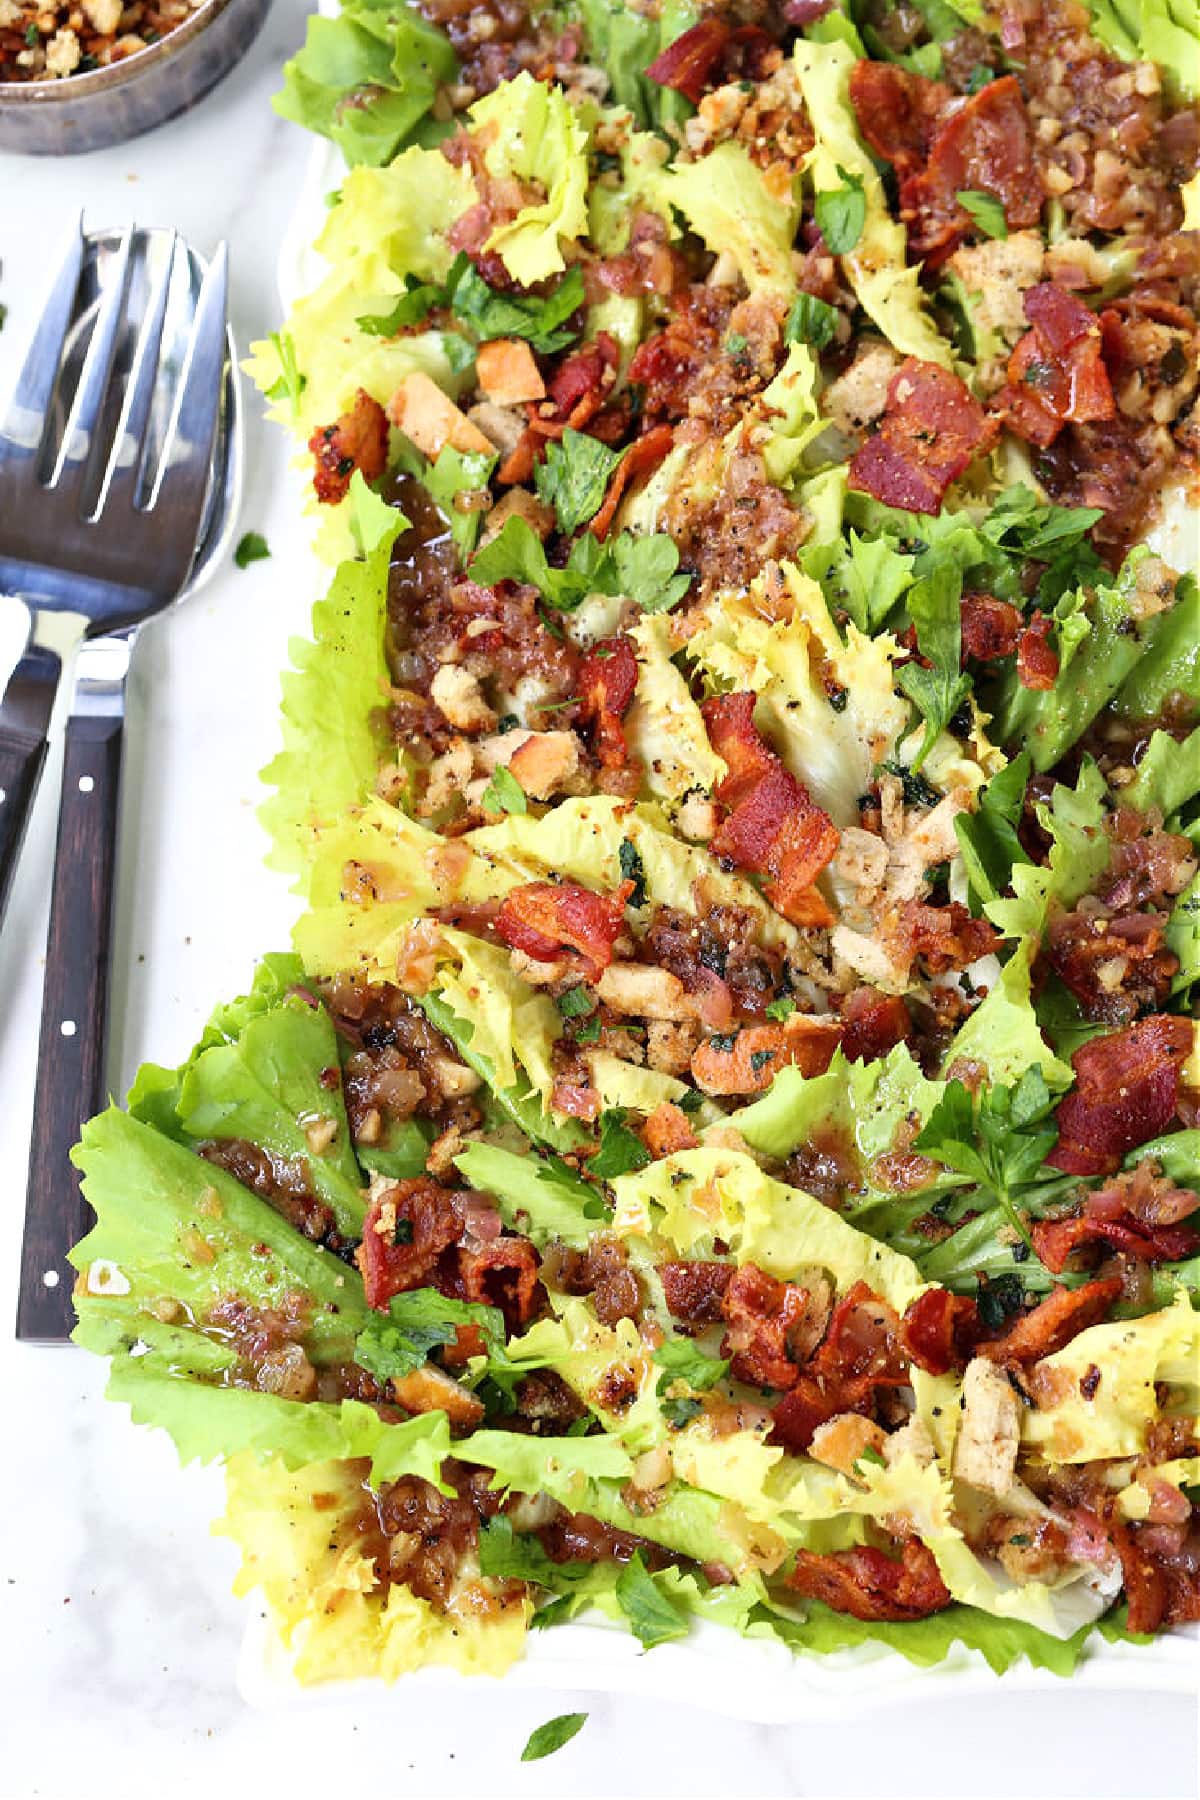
(106, 488)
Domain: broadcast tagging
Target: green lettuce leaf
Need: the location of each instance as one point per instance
(366, 79)
(1167, 776)
(542, 1198)
(887, 287)
(1047, 722)
(333, 740)
(176, 1236)
(1171, 663)
(624, 42)
(1079, 854)
(1166, 32)
(1003, 1034)
(531, 131)
(726, 200)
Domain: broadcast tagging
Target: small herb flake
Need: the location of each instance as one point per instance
(504, 793)
(252, 548)
(632, 870)
(986, 211)
(553, 1735)
(841, 214)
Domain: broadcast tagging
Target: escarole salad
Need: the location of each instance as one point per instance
(724, 1142)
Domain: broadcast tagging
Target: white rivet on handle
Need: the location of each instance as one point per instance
(67, 1028)
(86, 784)
(50, 1278)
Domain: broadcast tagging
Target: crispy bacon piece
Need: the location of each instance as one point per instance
(982, 145)
(898, 112)
(860, 1353)
(688, 64)
(357, 440)
(772, 827)
(694, 1290)
(751, 1062)
(939, 1330)
(504, 1274)
(945, 937)
(990, 627)
(768, 1321)
(1160, 1566)
(1125, 1093)
(407, 1227)
(941, 146)
(869, 1585)
(607, 682)
(1061, 1316)
(608, 678)
(642, 456)
(1037, 659)
(576, 393)
(1141, 1214)
(667, 1130)
(544, 918)
(1056, 374)
(872, 1024)
(931, 430)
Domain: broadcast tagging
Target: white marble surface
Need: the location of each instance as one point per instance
(118, 1636)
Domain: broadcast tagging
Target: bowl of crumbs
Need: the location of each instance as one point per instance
(84, 74)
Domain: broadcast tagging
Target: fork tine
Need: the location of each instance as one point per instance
(24, 424)
(125, 467)
(78, 449)
(187, 456)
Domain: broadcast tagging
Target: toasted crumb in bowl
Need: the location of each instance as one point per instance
(44, 40)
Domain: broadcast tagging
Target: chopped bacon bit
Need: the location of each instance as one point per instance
(772, 827)
(357, 440)
(514, 1261)
(688, 64)
(869, 1585)
(860, 1354)
(608, 678)
(983, 145)
(407, 1226)
(758, 1052)
(713, 49)
(941, 146)
(1140, 1214)
(694, 1290)
(873, 1023)
(1061, 1316)
(642, 456)
(1056, 374)
(939, 1330)
(667, 1130)
(576, 393)
(767, 1321)
(1158, 1565)
(931, 430)
(1125, 1093)
(1083, 946)
(990, 627)
(584, 374)
(1037, 659)
(898, 112)
(946, 937)
(544, 918)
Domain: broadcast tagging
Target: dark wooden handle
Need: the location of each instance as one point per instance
(22, 753)
(70, 1078)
